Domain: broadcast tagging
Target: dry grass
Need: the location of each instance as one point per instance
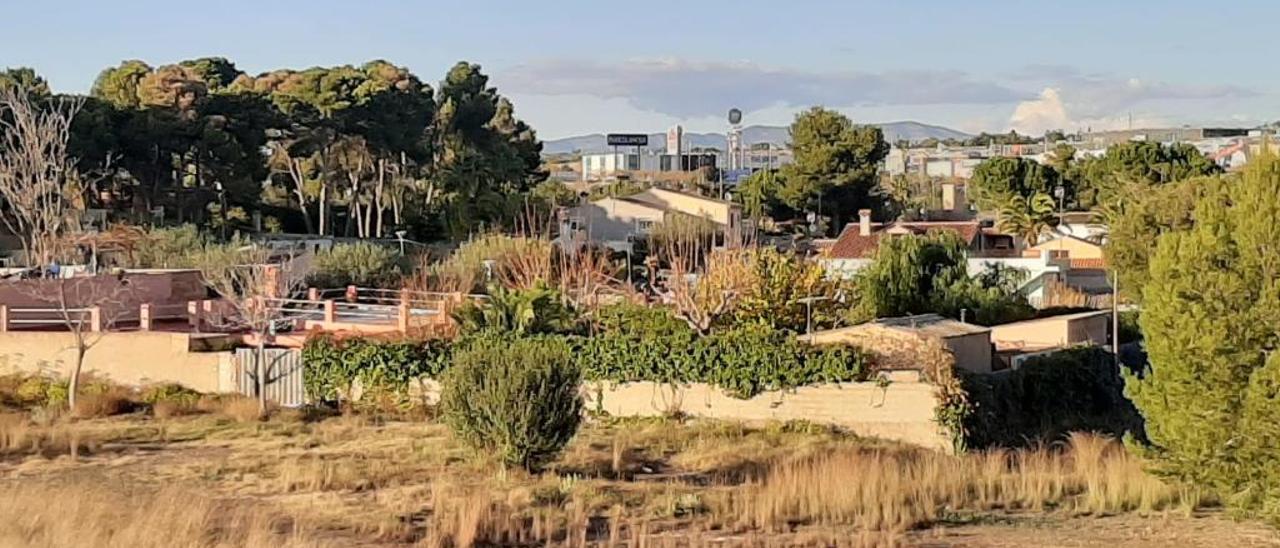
(94, 514)
(21, 436)
(361, 480)
(899, 490)
(112, 401)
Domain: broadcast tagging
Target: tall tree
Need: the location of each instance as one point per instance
(37, 175)
(998, 180)
(835, 167)
(1211, 320)
(1104, 178)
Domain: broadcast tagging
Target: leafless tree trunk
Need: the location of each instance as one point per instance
(252, 287)
(36, 172)
(72, 299)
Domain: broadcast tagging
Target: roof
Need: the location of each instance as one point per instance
(655, 189)
(851, 244)
(1058, 318)
(925, 325)
(931, 325)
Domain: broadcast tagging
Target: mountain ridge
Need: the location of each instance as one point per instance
(778, 135)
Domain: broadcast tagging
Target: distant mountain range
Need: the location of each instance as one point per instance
(893, 131)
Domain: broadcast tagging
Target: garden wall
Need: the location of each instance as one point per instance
(903, 410)
(133, 358)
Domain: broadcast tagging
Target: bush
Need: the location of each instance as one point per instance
(381, 366)
(102, 404)
(514, 397)
(170, 392)
(362, 264)
(1047, 398)
(743, 361)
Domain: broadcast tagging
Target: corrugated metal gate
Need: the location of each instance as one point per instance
(282, 368)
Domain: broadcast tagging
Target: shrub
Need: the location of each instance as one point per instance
(334, 366)
(170, 392)
(514, 397)
(1048, 397)
(102, 404)
(240, 408)
(363, 264)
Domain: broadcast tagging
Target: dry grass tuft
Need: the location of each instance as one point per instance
(898, 490)
(94, 514)
(21, 436)
(114, 401)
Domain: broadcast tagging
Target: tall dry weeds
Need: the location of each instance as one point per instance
(896, 490)
(90, 513)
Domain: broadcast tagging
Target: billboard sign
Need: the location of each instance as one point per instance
(628, 140)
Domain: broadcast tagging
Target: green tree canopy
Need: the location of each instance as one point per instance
(836, 164)
(998, 180)
(1211, 320)
(1102, 179)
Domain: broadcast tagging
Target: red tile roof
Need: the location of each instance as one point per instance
(853, 245)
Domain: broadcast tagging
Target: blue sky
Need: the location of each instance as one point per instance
(577, 66)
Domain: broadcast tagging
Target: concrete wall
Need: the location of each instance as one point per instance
(613, 219)
(895, 349)
(720, 212)
(972, 352)
(901, 411)
(133, 358)
(1053, 332)
(1072, 247)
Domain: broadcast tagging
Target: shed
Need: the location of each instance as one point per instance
(1082, 328)
(896, 342)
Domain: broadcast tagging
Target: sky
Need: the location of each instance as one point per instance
(577, 66)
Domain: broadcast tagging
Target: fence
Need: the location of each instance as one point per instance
(282, 370)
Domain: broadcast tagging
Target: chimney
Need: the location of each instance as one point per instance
(864, 222)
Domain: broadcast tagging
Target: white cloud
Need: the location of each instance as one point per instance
(685, 89)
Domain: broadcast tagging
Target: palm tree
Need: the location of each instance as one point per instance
(1027, 217)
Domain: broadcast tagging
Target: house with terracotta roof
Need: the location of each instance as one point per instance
(988, 247)
(860, 240)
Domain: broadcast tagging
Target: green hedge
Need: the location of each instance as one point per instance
(1049, 396)
(334, 365)
(743, 361)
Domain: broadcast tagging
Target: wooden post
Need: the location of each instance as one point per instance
(4, 318)
(313, 293)
(95, 319)
(144, 317)
(330, 311)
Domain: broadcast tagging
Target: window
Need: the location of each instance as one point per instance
(643, 226)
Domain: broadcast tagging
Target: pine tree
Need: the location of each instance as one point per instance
(1211, 316)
